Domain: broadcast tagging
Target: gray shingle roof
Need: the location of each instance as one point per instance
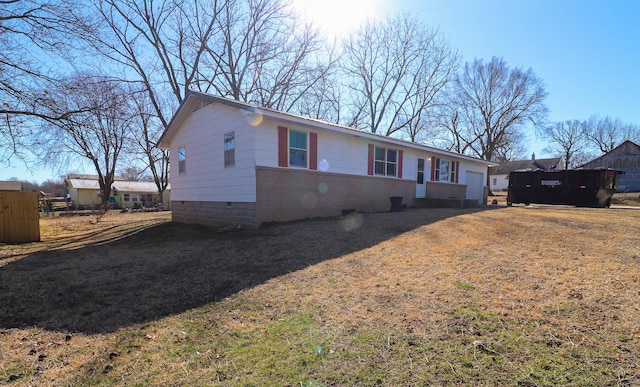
(509, 166)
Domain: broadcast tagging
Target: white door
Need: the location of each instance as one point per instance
(475, 186)
(421, 186)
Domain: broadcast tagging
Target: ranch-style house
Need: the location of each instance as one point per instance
(234, 163)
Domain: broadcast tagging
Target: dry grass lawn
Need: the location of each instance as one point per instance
(529, 296)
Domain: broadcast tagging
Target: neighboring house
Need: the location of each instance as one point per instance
(499, 175)
(10, 186)
(625, 157)
(235, 163)
(85, 193)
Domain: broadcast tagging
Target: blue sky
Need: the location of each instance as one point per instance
(586, 52)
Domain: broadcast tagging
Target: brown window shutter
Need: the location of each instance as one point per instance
(433, 168)
(457, 170)
(370, 160)
(283, 145)
(400, 164)
(313, 151)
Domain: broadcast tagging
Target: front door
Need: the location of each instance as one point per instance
(421, 186)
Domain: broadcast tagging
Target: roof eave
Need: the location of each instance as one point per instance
(192, 96)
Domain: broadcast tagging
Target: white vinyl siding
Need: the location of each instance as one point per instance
(336, 153)
(207, 179)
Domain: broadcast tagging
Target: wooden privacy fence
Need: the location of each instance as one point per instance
(19, 217)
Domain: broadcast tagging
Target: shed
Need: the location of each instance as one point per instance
(625, 157)
(19, 216)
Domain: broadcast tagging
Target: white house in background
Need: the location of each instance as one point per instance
(236, 163)
(85, 192)
(499, 174)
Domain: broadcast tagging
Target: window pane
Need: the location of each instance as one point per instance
(182, 156)
(229, 141)
(391, 155)
(453, 171)
(297, 158)
(380, 153)
(444, 170)
(391, 169)
(420, 164)
(420, 177)
(229, 158)
(297, 140)
(229, 149)
(379, 168)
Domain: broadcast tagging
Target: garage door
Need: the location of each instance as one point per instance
(475, 186)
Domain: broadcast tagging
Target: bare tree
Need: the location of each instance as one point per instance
(497, 103)
(29, 31)
(606, 133)
(158, 46)
(262, 54)
(98, 135)
(248, 50)
(511, 148)
(396, 69)
(449, 127)
(147, 132)
(566, 138)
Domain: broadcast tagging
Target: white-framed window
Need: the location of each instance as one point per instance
(420, 178)
(126, 197)
(495, 181)
(445, 170)
(386, 161)
(298, 149)
(182, 160)
(230, 149)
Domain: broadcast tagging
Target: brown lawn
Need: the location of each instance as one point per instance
(530, 296)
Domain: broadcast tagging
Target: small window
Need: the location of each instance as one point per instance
(452, 174)
(230, 149)
(380, 160)
(420, 178)
(495, 181)
(297, 149)
(126, 197)
(386, 161)
(182, 159)
(445, 170)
